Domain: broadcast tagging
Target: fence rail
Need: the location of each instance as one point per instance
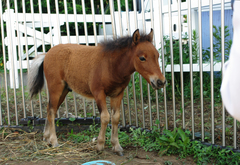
(192, 98)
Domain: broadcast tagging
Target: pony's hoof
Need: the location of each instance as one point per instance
(100, 148)
(119, 153)
(55, 145)
(118, 150)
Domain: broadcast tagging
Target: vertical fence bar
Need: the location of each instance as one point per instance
(211, 66)
(103, 19)
(40, 104)
(94, 23)
(26, 47)
(143, 16)
(172, 61)
(142, 106)
(59, 36)
(135, 100)
(96, 43)
(140, 77)
(128, 107)
(60, 41)
(94, 109)
(67, 22)
(154, 42)
(69, 41)
(43, 45)
(181, 62)
(49, 22)
(75, 20)
(127, 89)
(75, 104)
(127, 17)
(50, 28)
(123, 114)
(120, 17)
(10, 28)
(201, 66)
(84, 107)
(35, 48)
(163, 62)
(135, 14)
(5, 69)
(152, 20)
(133, 79)
(150, 107)
(223, 59)
(20, 57)
(3, 48)
(121, 34)
(57, 22)
(86, 40)
(84, 22)
(189, 20)
(77, 39)
(111, 4)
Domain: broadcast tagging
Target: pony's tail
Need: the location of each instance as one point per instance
(36, 76)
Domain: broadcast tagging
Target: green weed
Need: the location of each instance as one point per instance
(167, 142)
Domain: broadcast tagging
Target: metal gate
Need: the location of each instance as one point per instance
(191, 38)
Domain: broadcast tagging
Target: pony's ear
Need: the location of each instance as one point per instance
(151, 35)
(136, 37)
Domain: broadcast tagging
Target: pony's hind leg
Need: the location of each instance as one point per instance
(115, 116)
(57, 95)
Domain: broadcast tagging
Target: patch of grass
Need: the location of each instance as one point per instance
(176, 142)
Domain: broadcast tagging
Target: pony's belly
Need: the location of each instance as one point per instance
(82, 89)
(114, 92)
(86, 95)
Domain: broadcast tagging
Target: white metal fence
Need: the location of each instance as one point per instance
(27, 34)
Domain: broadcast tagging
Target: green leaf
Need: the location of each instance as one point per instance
(182, 134)
(72, 119)
(174, 144)
(164, 139)
(168, 133)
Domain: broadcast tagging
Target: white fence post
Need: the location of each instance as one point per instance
(10, 22)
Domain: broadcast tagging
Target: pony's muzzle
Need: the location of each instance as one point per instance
(157, 84)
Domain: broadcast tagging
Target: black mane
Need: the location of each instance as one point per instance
(121, 43)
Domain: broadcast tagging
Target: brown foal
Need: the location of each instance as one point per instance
(95, 72)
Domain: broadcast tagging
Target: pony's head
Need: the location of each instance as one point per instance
(146, 59)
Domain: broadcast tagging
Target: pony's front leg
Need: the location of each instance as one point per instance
(105, 117)
(115, 106)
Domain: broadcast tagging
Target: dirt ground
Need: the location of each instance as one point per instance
(139, 156)
(131, 157)
(28, 148)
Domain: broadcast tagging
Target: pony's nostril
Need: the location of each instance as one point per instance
(160, 83)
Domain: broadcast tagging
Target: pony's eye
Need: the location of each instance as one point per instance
(142, 58)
